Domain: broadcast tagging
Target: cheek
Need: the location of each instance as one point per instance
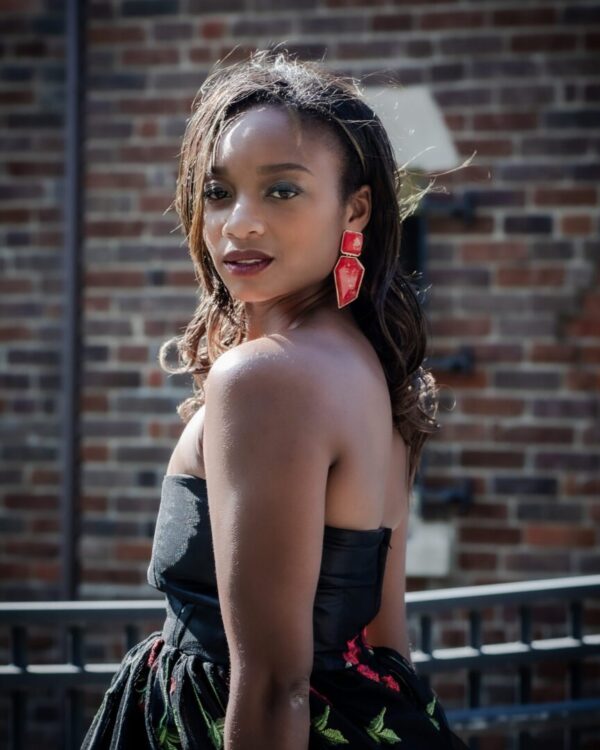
(211, 231)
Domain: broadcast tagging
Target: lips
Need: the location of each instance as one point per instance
(234, 256)
(246, 262)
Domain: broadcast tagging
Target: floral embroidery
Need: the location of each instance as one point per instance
(333, 736)
(366, 671)
(216, 728)
(379, 733)
(351, 656)
(430, 708)
(391, 682)
(156, 646)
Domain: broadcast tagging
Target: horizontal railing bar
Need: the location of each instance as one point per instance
(528, 713)
(417, 602)
(465, 657)
(40, 676)
(439, 600)
(32, 613)
(441, 660)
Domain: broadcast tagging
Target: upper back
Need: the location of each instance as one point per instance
(366, 483)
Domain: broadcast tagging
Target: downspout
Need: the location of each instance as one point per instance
(71, 337)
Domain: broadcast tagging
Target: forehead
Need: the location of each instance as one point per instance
(274, 134)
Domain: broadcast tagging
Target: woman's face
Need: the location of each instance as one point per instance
(273, 193)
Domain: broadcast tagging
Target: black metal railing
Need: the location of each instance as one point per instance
(20, 677)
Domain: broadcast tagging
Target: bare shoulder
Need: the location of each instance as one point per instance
(282, 372)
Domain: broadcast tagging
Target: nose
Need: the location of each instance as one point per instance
(243, 220)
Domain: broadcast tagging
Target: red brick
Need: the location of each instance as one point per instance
(478, 560)
(16, 97)
(15, 285)
(452, 20)
(491, 406)
(114, 279)
(554, 352)
(147, 129)
(592, 42)
(138, 551)
(489, 535)
(111, 180)
(114, 34)
(94, 453)
(392, 22)
(448, 225)
(155, 203)
(461, 327)
(166, 105)
(494, 251)
(214, 29)
(524, 17)
(531, 435)
(492, 459)
(496, 147)
(576, 224)
(544, 43)
(575, 196)
(114, 228)
(559, 536)
(518, 276)
(590, 354)
(584, 327)
(504, 121)
(156, 56)
(463, 380)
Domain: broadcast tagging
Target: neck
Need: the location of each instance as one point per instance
(286, 313)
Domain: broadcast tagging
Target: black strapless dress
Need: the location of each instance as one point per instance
(171, 689)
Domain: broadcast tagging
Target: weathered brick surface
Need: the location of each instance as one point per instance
(518, 83)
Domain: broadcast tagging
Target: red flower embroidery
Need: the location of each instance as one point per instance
(391, 682)
(351, 655)
(368, 672)
(172, 686)
(154, 652)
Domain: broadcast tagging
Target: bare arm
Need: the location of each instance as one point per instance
(266, 470)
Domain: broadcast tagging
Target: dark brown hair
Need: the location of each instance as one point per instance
(387, 310)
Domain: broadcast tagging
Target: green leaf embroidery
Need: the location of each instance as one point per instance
(320, 722)
(333, 736)
(216, 728)
(379, 733)
(431, 706)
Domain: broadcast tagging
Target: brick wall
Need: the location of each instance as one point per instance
(518, 82)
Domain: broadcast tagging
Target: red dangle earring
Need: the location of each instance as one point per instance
(349, 271)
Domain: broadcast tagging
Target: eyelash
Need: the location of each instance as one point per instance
(211, 192)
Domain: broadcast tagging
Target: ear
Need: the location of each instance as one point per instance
(358, 209)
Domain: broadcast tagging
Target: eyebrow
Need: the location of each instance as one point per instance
(267, 168)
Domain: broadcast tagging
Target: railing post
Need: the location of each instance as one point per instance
(73, 700)
(18, 697)
(474, 674)
(425, 638)
(575, 691)
(524, 739)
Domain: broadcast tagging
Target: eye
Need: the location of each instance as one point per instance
(214, 193)
(284, 191)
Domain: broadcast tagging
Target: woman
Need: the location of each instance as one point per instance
(288, 490)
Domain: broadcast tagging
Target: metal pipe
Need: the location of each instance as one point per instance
(71, 343)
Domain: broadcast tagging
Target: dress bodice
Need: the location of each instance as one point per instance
(348, 593)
